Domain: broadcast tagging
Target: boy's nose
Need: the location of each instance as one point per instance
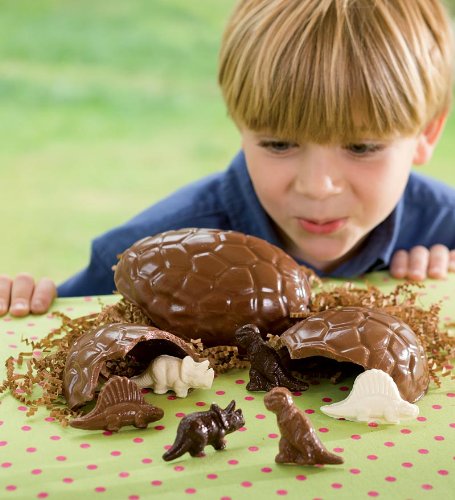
(317, 182)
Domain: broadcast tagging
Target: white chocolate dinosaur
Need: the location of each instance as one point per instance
(374, 396)
(168, 372)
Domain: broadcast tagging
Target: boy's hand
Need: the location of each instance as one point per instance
(420, 263)
(21, 295)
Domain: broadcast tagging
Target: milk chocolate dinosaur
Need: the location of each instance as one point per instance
(120, 403)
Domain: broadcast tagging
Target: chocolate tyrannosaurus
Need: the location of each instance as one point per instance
(267, 370)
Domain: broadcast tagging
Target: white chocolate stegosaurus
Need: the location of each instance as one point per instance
(374, 397)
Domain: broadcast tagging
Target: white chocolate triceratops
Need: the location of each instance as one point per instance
(374, 397)
(168, 372)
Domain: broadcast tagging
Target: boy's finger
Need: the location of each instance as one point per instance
(418, 263)
(5, 293)
(399, 264)
(43, 295)
(452, 261)
(21, 294)
(438, 262)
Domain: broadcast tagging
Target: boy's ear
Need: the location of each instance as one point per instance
(428, 139)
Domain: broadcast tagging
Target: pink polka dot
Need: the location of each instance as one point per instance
(423, 451)
(225, 498)
(344, 388)
(356, 436)
(22, 408)
(6, 464)
(300, 477)
(266, 469)
(11, 487)
(116, 453)
(55, 438)
(220, 393)
(42, 495)
(373, 494)
(60, 458)
(212, 476)
(452, 425)
(248, 398)
(134, 497)
(323, 429)
(107, 433)
(421, 419)
(408, 465)
(179, 468)
(87, 299)
(336, 486)
(68, 480)
(200, 403)
(309, 411)
(239, 381)
(389, 444)
(281, 492)
(253, 448)
(180, 414)
(49, 419)
(156, 483)
(138, 440)
(92, 467)
(190, 491)
(390, 479)
(405, 431)
(451, 394)
(159, 428)
(100, 489)
(147, 460)
(123, 474)
(436, 407)
(29, 450)
(233, 462)
(260, 416)
(372, 457)
(246, 484)
(84, 445)
(338, 450)
(327, 400)
(3, 443)
(372, 424)
(242, 429)
(171, 397)
(273, 436)
(439, 438)
(354, 471)
(427, 487)
(26, 428)
(443, 472)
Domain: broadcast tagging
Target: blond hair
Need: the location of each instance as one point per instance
(337, 70)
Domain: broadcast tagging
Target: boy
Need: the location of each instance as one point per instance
(335, 100)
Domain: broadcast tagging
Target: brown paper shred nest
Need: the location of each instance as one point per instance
(37, 381)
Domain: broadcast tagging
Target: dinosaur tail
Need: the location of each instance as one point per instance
(326, 457)
(176, 450)
(293, 384)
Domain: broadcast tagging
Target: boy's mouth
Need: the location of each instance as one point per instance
(322, 227)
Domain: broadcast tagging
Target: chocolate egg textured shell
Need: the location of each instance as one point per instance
(367, 337)
(87, 357)
(206, 283)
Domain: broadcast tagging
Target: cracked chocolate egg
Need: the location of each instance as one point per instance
(206, 283)
(87, 357)
(367, 337)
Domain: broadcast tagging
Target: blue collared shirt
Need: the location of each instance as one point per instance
(425, 215)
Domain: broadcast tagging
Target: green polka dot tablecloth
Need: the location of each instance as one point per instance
(41, 459)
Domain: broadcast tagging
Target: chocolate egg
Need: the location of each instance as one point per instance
(367, 337)
(88, 355)
(206, 283)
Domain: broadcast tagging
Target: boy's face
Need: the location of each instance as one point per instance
(326, 199)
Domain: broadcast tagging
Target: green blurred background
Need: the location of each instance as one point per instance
(105, 107)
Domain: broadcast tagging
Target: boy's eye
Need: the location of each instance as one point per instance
(363, 148)
(277, 146)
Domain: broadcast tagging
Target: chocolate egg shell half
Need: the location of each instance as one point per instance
(206, 283)
(87, 357)
(367, 337)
